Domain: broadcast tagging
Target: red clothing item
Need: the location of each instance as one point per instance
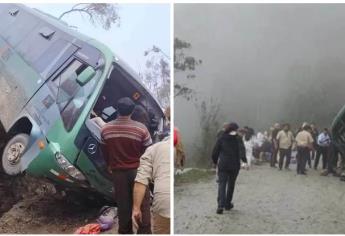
(89, 229)
(175, 137)
(125, 141)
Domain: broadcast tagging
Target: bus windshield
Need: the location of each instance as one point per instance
(70, 96)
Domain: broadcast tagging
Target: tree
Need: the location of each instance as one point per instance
(156, 75)
(208, 109)
(209, 115)
(103, 14)
(184, 63)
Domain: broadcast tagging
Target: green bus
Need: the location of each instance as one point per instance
(53, 81)
(338, 130)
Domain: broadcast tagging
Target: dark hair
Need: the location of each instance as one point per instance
(141, 115)
(306, 127)
(231, 127)
(125, 106)
(249, 133)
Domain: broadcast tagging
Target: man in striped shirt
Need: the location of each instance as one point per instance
(125, 141)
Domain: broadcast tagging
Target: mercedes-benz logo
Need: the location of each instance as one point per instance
(92, 148)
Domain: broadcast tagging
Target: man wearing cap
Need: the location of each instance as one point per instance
(125, 140)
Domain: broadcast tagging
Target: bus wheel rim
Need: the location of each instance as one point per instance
(15, 152)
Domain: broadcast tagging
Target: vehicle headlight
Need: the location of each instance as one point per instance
(68, 167)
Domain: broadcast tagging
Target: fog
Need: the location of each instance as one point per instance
(263, 63)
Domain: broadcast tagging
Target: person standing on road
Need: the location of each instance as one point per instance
(323, 142)
(180, 156)
(285, 140)
(304, 142)
(154, 167)
(249, 142)
(276, 129)
(125, 141)
(227, 153)
(314, 134)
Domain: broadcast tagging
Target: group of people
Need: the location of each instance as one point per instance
(235, 146)
(134, 163)
(309, 145)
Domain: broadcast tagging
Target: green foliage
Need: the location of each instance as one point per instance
(193, 175)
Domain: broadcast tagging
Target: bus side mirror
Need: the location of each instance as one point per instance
(85, 76)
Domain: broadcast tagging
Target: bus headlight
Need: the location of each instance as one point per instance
(68, 167)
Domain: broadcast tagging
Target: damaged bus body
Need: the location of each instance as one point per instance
(338, 130)
(53, 81)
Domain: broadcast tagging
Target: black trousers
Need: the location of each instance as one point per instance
(309, 160)
(302, 156)
(123, 184)
(282, 154)
(226, 186)
(274, 156)
(324, 151)
(333, 159)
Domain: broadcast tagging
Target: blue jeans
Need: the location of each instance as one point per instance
(226, 186)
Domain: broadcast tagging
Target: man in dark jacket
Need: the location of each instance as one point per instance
(227, 155)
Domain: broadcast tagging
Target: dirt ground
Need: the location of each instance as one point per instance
(266, 201)
(32, 206)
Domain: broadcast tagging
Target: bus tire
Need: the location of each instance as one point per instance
(12, 153)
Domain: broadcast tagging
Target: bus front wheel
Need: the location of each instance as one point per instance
(12, 153)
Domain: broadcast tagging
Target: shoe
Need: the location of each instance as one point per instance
(303, 173)
(220, 211)
(229, 208)
(287, 168)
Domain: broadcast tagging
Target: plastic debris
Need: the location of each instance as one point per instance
(108, 217)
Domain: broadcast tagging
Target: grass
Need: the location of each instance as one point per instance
(194, 175)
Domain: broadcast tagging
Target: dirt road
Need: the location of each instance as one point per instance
(266, 201)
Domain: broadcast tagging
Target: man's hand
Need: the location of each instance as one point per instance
(136, 217)
(109, 170)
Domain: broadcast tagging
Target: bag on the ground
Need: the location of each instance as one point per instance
(108, 217)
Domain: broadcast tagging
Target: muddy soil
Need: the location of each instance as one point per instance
(266, 201)
(33, 206)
